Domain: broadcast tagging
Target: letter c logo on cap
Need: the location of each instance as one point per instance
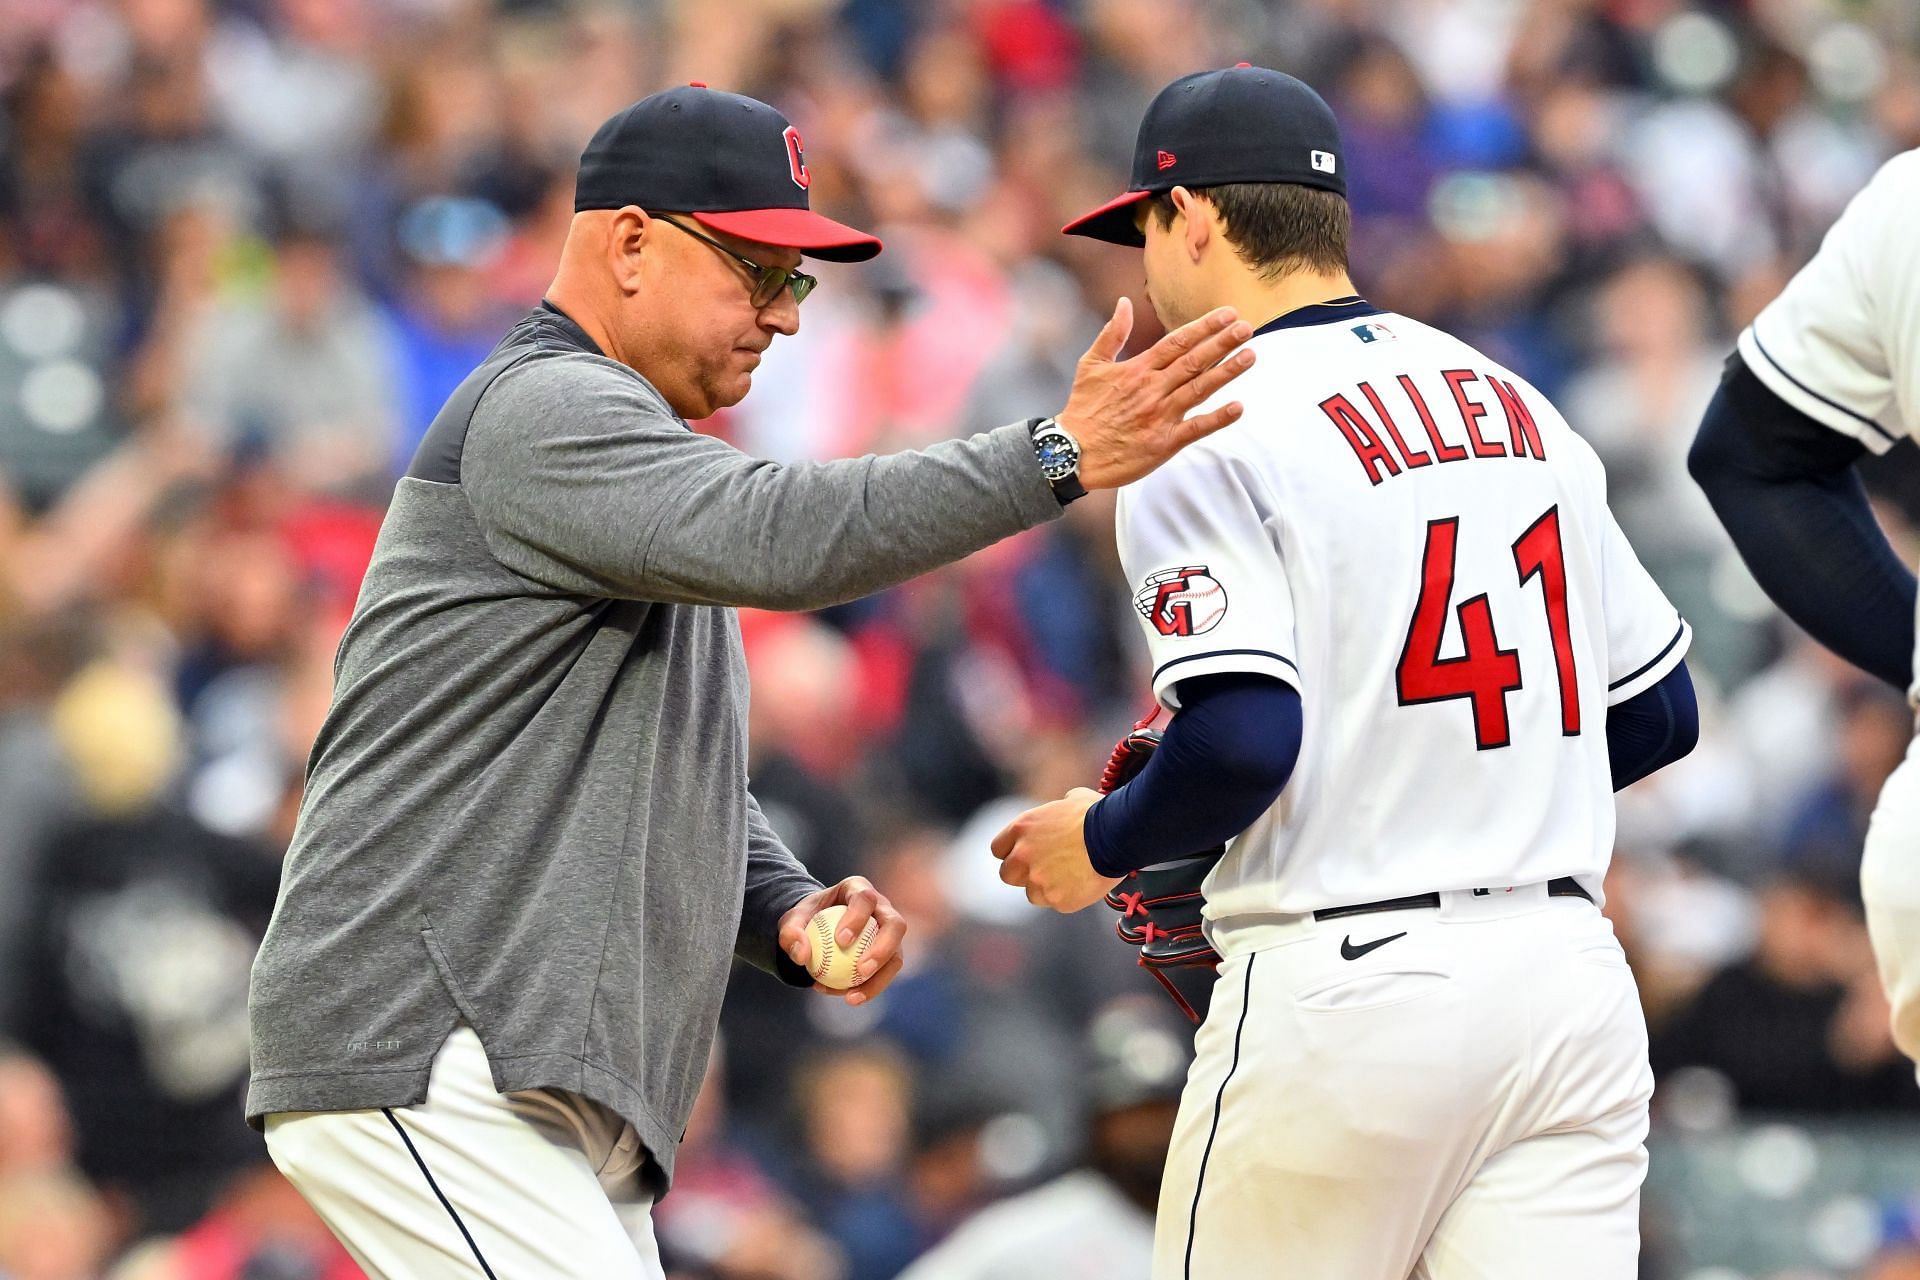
(797, 159)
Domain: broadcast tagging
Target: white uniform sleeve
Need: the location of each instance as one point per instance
(1646, 636)
(1199, 547)
(1842, 341)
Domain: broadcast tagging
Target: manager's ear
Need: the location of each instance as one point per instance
(1196, 227)
(631, 233)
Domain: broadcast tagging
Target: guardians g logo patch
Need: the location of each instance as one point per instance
(1182, 602)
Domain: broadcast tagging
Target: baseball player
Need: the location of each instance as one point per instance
(1409, 656)
(1827, 372)
(527, 851)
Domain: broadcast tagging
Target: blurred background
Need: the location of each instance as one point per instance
(247, 247)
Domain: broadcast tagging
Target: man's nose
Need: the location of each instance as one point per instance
(782, 315)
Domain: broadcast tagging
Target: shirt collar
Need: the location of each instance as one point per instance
(1351, 307)
(569, 326)
(571, 330)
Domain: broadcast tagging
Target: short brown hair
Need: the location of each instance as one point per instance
(1276, 227)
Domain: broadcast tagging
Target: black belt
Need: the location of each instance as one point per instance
(1563, 887)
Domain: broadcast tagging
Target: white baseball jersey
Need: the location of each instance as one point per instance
(1842, 341)
(1410, 535)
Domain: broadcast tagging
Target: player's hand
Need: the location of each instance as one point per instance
(1044, 851)
(1129, 416)
(863, 902)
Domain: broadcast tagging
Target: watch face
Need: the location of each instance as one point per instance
(1058, 457)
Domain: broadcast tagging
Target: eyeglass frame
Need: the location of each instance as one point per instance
(771, 279)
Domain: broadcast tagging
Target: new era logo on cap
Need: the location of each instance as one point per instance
(1165, 160)
(1321, 160)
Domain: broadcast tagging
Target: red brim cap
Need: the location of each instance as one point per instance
(1112, 222)
(801, 229)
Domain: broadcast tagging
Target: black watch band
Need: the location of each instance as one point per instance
(1068, 490)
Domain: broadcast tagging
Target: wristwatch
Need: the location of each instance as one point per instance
(1059, 456)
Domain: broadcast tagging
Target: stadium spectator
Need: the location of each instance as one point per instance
(1801, 1024)
(855, 1183)
(299, 369)
(259, 1226)
(1098, 1216)
(36, 1134)
(52, 1227)
(727, 1219)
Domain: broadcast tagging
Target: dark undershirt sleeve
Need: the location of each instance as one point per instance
(1652, 729)
(1784, 486)
(1228, 754)
(1223, 762)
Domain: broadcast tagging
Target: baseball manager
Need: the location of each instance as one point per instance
(527, 850)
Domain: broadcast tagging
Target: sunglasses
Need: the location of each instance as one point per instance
(768, 281)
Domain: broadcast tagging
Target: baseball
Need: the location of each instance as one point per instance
(830, 965)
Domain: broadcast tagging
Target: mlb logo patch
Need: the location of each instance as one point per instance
(1371, 332)
(1322, 161)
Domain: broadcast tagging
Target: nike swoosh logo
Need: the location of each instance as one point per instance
(1350, 952)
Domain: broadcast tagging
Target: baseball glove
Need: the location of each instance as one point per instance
(1160, 905)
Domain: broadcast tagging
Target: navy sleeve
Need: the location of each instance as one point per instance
(1785, 488)
(1223, 762)
(1653, 728)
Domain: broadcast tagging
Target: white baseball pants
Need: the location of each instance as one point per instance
(1464, 1101)
(473, 1182)
(1890, 886)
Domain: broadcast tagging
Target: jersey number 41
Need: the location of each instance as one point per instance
(1485, 673)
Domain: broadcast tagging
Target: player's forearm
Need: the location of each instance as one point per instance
(759, 534)
(1223, 762)
(1785, 490)
(1652, 729)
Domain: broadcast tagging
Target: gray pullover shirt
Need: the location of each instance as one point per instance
(528, 807)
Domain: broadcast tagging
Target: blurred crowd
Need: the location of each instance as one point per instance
(247, 247)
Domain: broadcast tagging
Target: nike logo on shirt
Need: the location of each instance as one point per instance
(1350, 952)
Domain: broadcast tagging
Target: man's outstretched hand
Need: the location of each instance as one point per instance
(1129, 416)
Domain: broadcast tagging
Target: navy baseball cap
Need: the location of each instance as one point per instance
(1243, 124)
(731, 162)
